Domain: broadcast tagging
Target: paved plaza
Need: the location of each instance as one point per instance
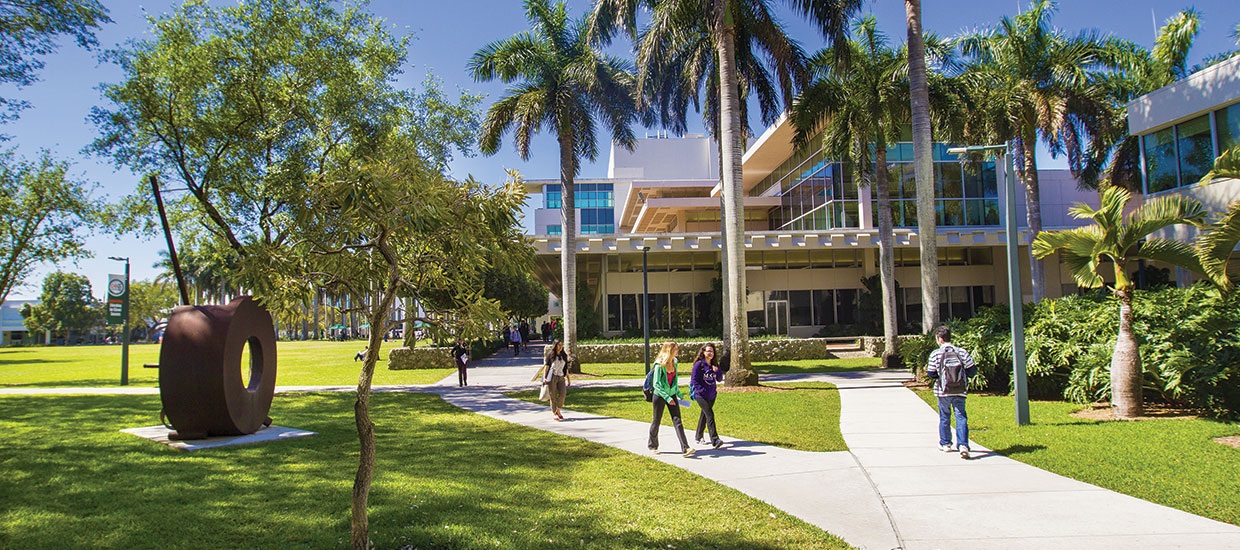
(893, 488)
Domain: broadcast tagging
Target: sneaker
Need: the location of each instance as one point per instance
(718, 443)
(689, 452)
(964, 452)
(653, 450)
(946, 448)
(699, 442)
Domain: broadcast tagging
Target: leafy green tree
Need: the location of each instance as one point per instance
(1111, 243)
(150, 303)
(518, 293)
(730, 24)
(65, 305)
(1036, 82)
(281, 119)
(32, 30)
(561, 82)
(45, 216)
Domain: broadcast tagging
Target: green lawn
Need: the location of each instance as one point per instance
(807, 366)
(445, 478)
(298, 363)
(1173, 462)
(802, 416)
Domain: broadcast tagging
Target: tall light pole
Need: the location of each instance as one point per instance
(124, 321)
(1015, 301)
(646, 306)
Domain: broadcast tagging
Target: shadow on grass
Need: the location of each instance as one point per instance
(4, 362)
(90, 383)
(443, 478)
(1019, 449)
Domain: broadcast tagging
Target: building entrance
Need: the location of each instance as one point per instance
(777, 317)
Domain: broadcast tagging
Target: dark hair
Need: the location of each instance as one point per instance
(943, 333)
(701, 354)
(551, 352)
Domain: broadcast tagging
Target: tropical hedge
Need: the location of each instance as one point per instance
(1188, 339)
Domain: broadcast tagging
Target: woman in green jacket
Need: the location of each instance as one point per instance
(667, 394)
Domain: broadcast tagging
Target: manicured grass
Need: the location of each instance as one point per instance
(802, 416)
(1173, 462)
(807, 366)
(444, 478)
(299, 363)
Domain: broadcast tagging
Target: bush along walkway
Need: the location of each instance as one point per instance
(893, 489)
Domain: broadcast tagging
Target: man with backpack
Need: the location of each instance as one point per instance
(951, 367)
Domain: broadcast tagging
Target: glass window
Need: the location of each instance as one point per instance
(659, 312)
(800, 311)
(1227, 122)
(702, 306)
(629, 319)
(613, 312)
(949, 184)
(824, 307)
(950, 212)
(554, 229)
(1195, 148)
(1160, 165)
(681, 311)
(846, 306)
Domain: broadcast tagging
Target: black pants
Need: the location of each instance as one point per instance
(674, 410)
(461, 374)
(706, 420)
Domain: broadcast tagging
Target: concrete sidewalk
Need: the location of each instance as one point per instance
(893, 488)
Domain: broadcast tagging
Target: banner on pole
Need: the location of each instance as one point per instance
(118, 291)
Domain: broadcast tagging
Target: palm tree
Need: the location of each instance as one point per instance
(727, 21)
(1215, 246)
(1115, 241)
(923, 167)
(561, 82)
(862, 103)
(1037, 82)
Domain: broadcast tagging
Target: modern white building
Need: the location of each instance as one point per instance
(811, 234)
(12, 326)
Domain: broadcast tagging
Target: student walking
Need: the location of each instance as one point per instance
(514, 336)
(460, 352)
(702, 382)
(555, 365)
(951, 367)
(667, 394)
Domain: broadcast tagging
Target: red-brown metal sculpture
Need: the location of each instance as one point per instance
(200, 382)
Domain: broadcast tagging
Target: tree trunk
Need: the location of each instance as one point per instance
(1126, 371)
(359, 527)
(923, 168)
(886, 254)
(568, 245)
(737, 322)
(1033, 215)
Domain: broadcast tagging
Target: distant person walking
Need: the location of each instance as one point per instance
(524, 329)
(667, 394)
(514, 336)
(546, 331)
(555, 365)
(702, 380)
(460, 352)
(951, 367)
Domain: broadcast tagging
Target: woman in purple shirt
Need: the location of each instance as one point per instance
(702, 389)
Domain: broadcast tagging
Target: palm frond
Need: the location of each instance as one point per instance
(1215, 246)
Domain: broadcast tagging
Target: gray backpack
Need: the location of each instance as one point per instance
(951, 372)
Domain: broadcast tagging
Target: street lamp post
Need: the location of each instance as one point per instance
(646, 306)
(124, 324)
(1015, 302)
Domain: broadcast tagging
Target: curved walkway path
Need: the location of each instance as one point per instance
(893, 488)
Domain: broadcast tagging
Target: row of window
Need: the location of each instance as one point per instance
(1180, 155)
(784, 308)
(789, 259)
(586, 229)
(585, 195)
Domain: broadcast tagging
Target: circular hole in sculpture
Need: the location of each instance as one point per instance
(252, 364)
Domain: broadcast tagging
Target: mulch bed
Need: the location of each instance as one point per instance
(1102, 411)
(1232, 440)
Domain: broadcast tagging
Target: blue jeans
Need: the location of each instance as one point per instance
(947, 404)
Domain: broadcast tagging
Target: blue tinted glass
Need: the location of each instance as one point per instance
(553, 230)
(606, 216)
(1196, 150)
(1160, 164)
(1227, 121)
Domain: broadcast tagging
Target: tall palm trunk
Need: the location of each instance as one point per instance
(733, 206)
(886, 254)
(923, 167)
(1126, 375)
(568, 246)
(1033, 214)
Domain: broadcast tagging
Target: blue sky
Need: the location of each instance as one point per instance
(446, 34)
